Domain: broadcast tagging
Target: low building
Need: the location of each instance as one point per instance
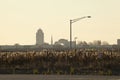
(118, 41)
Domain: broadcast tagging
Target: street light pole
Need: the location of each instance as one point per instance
(72, 21)
(70, 34)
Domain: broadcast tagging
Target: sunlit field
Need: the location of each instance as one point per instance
(75, 62)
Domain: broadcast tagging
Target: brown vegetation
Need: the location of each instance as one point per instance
(81, 61)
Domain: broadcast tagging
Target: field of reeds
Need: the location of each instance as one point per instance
(79, 62)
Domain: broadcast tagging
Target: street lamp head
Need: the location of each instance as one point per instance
(88, 16)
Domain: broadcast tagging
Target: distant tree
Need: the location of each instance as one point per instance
(62, 42)
(16, 44)
(97, 42)
(58, 45)
(90, 43)
(82, 43)
(104, 43)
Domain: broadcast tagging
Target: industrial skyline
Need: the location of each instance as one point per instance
(40, 41)
(60, 44)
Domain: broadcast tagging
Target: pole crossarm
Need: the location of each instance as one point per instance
(77, 19)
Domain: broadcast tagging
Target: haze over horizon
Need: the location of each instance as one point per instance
(20, 20)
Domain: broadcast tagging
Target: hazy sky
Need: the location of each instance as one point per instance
(20, 19)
